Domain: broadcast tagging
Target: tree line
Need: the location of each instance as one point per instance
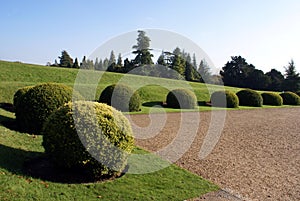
(236, 73)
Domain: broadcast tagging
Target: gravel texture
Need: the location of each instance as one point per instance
(256, 157)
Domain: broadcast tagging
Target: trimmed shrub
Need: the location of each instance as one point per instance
(19, 93)
(224, 99)
(298, 93)
(270, 98)
(94, 138)
(249, 97)
(290, 98)
(121, 97)
(38, 103)
(181, 99)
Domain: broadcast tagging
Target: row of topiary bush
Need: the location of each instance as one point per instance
(86, 136)
(248, 97)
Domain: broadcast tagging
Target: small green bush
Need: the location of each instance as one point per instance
(85, 139)
(249, 97)
(270, 98)
(121, 97)
(290, 98)
(181, 99)
(38, 103)
(19, 93)
(224, 99)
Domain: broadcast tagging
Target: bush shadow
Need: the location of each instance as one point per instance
(7, 107)
(154, 104)
(38, 165)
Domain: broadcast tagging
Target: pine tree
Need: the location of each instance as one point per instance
(119, 61)
(65, 60)
(76, 65)
(204, 71)
(194, 61)
(142, 51)
(292, 79)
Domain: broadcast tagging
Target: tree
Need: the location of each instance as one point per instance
(292, 79)
(112, 58)
(119, 62)
(143, 41)
(178, 64)
(276, 80)
(204, 71)
(142, 50)
(75, 65)
(257, 80)
(65, 60)
(194, 61)
(235, 72)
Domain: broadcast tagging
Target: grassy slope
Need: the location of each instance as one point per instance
(16, 75)
(171, 183)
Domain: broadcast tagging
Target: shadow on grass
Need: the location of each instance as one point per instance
(154, 103)
(7, 107)
(9, 123)
(38, 165)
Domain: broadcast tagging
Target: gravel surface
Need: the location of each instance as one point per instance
(256, 157)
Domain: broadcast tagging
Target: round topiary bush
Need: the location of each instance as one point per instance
(249, 97)
(19, 93)
(298, 93)
(94, 138)
(182, 99)
(270, 98)
(39, 102)
(224, 99)
(121, 97)
(290, 98)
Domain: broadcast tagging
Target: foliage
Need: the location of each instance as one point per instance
(182, 98)
(276, 80)
(290, 98)
(292, 78)
(39, 102)
(224, 99)
(121, 97)
(142, 49)
(204, 71)
(270, 98)
(298, 93)
(94, 138)
(19, 94)
(249, 97)
(65, 60)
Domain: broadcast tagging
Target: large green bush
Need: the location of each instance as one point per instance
(181, 98)
(290, 98)
(121, 97)
(249, 97)
(91, 137)
(224, 99)
(38, 103)
(270, 98)
(19, 94)
(298, 93)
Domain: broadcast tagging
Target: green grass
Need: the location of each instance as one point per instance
(15, 75)
(171, 183)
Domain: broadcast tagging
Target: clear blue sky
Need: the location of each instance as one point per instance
(265, 32)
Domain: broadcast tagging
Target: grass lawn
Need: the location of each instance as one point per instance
(171, 183)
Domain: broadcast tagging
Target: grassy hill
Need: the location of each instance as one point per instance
(90, 83)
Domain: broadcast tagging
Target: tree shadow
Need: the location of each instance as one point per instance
(7, 107)
(38, 165)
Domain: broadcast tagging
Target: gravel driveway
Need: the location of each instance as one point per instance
(257, 156)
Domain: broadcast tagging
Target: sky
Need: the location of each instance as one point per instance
(265, 32)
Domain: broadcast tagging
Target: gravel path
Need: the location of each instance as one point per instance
(257, 156)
